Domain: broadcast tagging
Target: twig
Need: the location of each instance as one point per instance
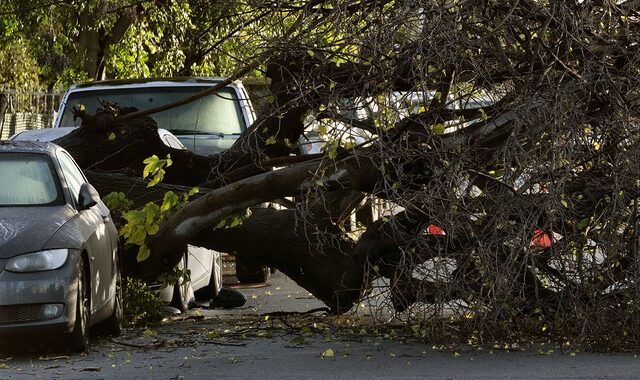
(136, 345)
(222, 343)
(285, 313)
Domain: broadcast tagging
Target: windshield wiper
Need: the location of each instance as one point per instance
(179, 132)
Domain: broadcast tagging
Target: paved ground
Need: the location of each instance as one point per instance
(247, 343)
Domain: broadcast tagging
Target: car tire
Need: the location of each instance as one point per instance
(182, 291)
(78, 338)
(249, 271)
(113, 324)
(228, 299)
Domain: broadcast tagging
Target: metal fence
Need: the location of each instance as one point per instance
(29, 110)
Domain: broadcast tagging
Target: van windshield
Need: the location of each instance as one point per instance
(209, 115)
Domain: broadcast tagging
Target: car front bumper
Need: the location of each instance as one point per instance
(39, 302)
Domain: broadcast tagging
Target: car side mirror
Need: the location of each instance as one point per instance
(88, 196)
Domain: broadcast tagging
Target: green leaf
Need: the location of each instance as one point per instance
(220, 224)
(156, 178)
(328, 353)
(169, 202)
(151, 163)
(153, 229)
(333, 151)
(117, 202)
(438, 129)
(154, 167)
(111, 137)
(583, 224)
(143, 253)
(194, 191)
(271, 140)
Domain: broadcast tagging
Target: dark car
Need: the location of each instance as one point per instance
(59, 267)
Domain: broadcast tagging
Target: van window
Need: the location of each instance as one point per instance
(218, 113)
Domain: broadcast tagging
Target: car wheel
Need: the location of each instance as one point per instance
(182, 290)
(249, 271)
(113, 324)
(78, 339)
(228, 299)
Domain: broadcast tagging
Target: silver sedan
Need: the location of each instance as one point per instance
(59, 267)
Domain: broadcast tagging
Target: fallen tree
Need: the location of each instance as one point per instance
(507, 162)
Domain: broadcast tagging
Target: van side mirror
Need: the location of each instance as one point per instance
(88, 196)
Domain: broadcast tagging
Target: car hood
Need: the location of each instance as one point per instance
(27, 229)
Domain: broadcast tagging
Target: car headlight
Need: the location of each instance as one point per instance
(38, 261)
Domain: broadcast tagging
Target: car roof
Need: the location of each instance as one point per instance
(27, 147)
(44, 134)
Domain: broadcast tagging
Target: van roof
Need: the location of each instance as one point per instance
(149, 81)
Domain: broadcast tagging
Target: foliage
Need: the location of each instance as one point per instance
(154, 167)
(146, 221)
(99, 39)
(174, 276)
(117, 202)
(233, 220)
(18, 69)
(141, 305)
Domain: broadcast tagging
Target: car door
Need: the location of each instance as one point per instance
(97, 234)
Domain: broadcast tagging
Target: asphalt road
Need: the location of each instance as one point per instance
(262, 340)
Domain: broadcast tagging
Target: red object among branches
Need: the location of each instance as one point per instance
(435, 230)
(541, 239)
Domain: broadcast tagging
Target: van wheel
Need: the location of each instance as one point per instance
(249, 271)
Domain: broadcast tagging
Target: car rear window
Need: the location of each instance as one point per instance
(28, 180)
(218, 113)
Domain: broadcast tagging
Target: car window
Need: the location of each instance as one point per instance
(214, 114)
(72, 174)
(28, 180)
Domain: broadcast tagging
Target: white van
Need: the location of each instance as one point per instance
(206, 126)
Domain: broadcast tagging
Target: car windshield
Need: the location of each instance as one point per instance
(208, 115)
(28, 180)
